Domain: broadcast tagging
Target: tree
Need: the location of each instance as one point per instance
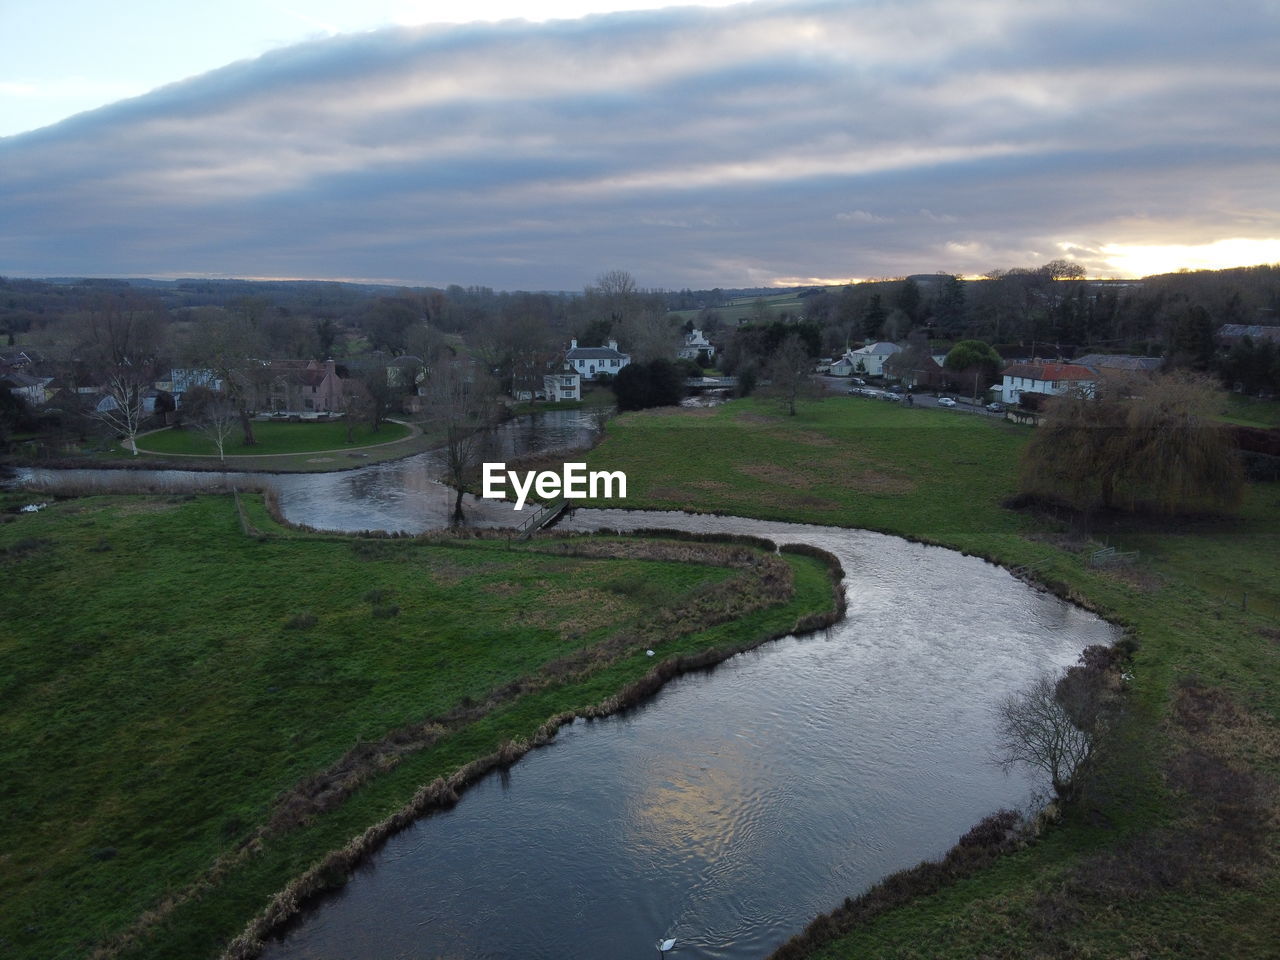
(213, 414)
(791, 374)
(1193, 339)
(658, 383)
(874, 318)
(1057, 723)
(1035, 729)
(464, 404)
(357, 404)
(1138, 442)
(228, 344)
(973, 359)
(123, 407)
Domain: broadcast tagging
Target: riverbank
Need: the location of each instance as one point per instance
(1202, 602)
(179, 748)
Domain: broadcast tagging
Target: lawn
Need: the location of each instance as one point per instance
(273, 438)
(168, 682)
(1202, 601)
(1251, 412)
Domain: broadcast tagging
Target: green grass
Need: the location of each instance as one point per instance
(1251, 412)
(273, 438)
(933, 476)
(163, 677)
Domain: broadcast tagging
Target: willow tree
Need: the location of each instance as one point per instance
(1149, 443)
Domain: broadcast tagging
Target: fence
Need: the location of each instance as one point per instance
(540, 519)
(1111, 557)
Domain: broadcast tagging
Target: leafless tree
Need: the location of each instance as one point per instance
(1055, 724)
(123, 408)
(357, 403)
(464, 404)
(791, 374)
(1034, 729)
(231, 346)
(217, 420)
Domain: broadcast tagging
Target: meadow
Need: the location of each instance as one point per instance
(199, 705)
(273, 437)
(1173, 852)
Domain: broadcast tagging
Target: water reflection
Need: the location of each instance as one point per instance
(736, 804)
(400, 495)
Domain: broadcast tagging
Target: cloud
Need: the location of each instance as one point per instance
(690, 146)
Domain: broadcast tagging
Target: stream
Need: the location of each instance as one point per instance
(734, 805)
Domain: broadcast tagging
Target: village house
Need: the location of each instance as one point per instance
(867, 360)
(562, 386)
(304, 387)
(591, 362)
(1229, 334)
(1046, 379)
(29, 388)
(694, 344)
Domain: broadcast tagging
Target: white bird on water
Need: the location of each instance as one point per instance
(665, 945)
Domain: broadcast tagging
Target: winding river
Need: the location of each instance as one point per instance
(736, 803)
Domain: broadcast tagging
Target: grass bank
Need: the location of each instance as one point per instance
(1123, 874)
(274, 438)
(202, 710)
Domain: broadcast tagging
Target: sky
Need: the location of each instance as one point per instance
(747, 144)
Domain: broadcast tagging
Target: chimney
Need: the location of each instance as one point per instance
(613, 344)
(573, 344)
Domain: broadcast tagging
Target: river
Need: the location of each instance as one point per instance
(735, 804)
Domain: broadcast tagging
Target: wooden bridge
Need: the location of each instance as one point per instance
(543, 516)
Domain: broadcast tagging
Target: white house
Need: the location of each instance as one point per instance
(590, 362)
(31, 389)
(695, 343)
(871, 357)
(562, 386)
(1049, 379)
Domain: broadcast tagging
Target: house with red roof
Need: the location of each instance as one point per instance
(1048, 379)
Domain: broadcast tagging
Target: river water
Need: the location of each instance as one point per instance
(735, 804)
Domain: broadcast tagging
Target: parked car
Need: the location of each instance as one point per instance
(858, 381)
(946, 402)
(898, 388)
(995, 406)
(892, 396)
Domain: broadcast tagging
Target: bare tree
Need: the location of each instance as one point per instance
(464, 403)
(357, 403)
(229, 344)
(1034, 729)
(1055, 724)
(791, 374)
(123, 407)
(218, 420)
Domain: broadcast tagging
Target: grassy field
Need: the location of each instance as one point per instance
(1251, 412)
(179, 698)
(273, 438)
(1158, 862)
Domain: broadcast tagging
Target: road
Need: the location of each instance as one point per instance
(842, 386)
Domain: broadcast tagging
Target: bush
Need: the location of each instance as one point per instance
(658, 383)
